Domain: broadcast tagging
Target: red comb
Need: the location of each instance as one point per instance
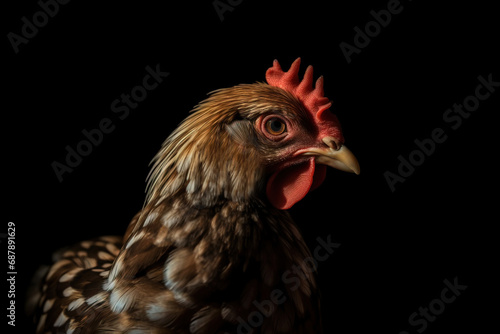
(312, 98)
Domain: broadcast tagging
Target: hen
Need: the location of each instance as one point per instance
(209, 251)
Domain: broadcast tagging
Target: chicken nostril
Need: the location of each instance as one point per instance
(333, 143)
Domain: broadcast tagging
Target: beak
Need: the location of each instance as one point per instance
(341, 158)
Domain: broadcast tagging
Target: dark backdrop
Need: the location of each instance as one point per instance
(398, 246)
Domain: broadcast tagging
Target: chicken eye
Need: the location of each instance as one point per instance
(275, 126)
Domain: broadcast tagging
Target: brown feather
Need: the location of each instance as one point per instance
(207, 247)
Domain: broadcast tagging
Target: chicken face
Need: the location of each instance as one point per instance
(294, 140)
(300, 154)
(300, 139)
(295, 134)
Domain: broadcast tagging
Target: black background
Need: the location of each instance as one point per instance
(397, 247)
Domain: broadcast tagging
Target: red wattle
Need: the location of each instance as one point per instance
(289, 185)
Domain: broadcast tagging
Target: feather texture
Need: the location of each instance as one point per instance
(207, 254)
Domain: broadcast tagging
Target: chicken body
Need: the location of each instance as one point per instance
(212, 250)
(198, 276)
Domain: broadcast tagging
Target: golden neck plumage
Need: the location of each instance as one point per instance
(201, 159)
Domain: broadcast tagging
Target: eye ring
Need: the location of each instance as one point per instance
(275, 126)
